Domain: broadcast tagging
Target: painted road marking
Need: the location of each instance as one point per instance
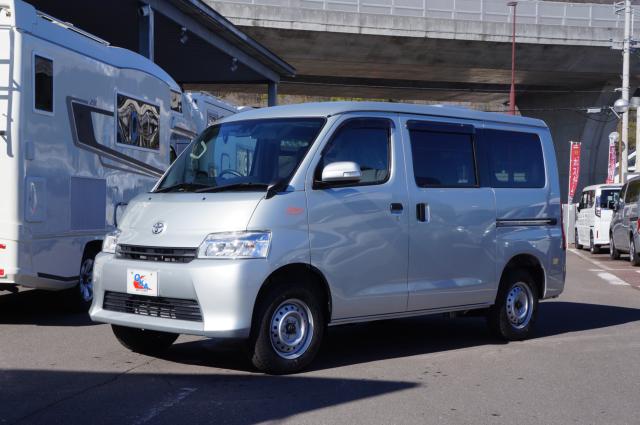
(603, 270)
(168, 403)
(612, 279)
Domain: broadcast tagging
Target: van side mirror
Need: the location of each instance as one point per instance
(341, 172)
(578, 207)
(612, 205)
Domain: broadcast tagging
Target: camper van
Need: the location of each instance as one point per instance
(275, 223)
(84, 127)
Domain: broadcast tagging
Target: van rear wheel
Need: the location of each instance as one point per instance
(288, 329)
(514, 313)
(143, 341)
(613, 251)
(634, 257)
(593, 248)
(576, 241)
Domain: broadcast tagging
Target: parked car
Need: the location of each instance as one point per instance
(594, 212)
(275, 223)
(625, 223)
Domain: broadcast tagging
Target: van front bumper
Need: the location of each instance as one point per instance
(224, 290)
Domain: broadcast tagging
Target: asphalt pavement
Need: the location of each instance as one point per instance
(582, 367)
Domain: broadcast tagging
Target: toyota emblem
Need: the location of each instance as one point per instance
(158, 228)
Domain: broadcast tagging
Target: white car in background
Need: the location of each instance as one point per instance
(594, 212)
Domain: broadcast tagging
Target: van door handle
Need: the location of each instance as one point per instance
(396, 208)
(422, 212)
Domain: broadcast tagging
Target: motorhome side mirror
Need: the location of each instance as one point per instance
(341, 172)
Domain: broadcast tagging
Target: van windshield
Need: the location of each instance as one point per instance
(242, 155)
(608, 197)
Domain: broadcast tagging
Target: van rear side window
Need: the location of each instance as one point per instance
(43, 83)
(442, 159)
(512, 159)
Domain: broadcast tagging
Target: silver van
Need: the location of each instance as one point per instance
(276, 223)
(625, 225)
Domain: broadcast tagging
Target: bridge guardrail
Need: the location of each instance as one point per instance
(528, 12)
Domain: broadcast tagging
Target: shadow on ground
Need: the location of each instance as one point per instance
(41, 308)
(369, 342)
(67, 397)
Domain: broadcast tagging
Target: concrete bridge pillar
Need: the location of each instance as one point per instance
(566, 116)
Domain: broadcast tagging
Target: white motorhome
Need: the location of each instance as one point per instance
(199, 110)
(84, 127)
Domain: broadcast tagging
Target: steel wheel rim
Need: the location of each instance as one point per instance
(291, 329)
(86, 280)
(519, 305)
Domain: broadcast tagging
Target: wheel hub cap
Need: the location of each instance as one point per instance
(291, 329)
(519, 305)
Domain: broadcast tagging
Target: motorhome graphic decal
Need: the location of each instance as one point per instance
(84, 137)
(138, 123)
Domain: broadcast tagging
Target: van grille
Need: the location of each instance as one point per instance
(167, 308)
(147, 253)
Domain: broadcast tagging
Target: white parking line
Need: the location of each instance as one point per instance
(591, 260)
(612, 279)
(603, 270)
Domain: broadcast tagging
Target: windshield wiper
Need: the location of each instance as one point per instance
(236, 186)
(184, 186)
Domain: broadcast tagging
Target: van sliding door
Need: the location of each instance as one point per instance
(452, 242)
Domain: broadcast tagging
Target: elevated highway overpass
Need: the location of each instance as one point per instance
(452, 51)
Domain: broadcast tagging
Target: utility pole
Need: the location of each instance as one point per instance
(512, 92)
(626, 50)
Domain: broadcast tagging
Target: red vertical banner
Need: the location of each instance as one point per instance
(574, 169)
(611, 171)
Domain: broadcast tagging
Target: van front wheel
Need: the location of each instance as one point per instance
(513, 316)
(142, 340)
(595, 249)
(576, 241)
(288, 329)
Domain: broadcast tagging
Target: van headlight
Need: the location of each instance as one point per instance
(110, 242)
(235, 245)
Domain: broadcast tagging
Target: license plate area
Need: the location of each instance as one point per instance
(142, 282)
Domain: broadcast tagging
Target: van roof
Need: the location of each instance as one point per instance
(335, 108)
(66, 35)
(603, 186)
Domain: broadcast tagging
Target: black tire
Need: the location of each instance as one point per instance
(593, 248)
(614, 254)
(498, 318)
(80, 297)
(575, 241)
(634, 257)
(143, 341)
(262, 352)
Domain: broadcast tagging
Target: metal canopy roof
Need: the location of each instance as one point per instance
(191, 41)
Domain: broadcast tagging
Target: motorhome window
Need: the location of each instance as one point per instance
(608, 197)
(365, 142)
(138, 123)
(43, 81)
(513, 159)
(176, 101)
(243, 154)
(442, 159)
